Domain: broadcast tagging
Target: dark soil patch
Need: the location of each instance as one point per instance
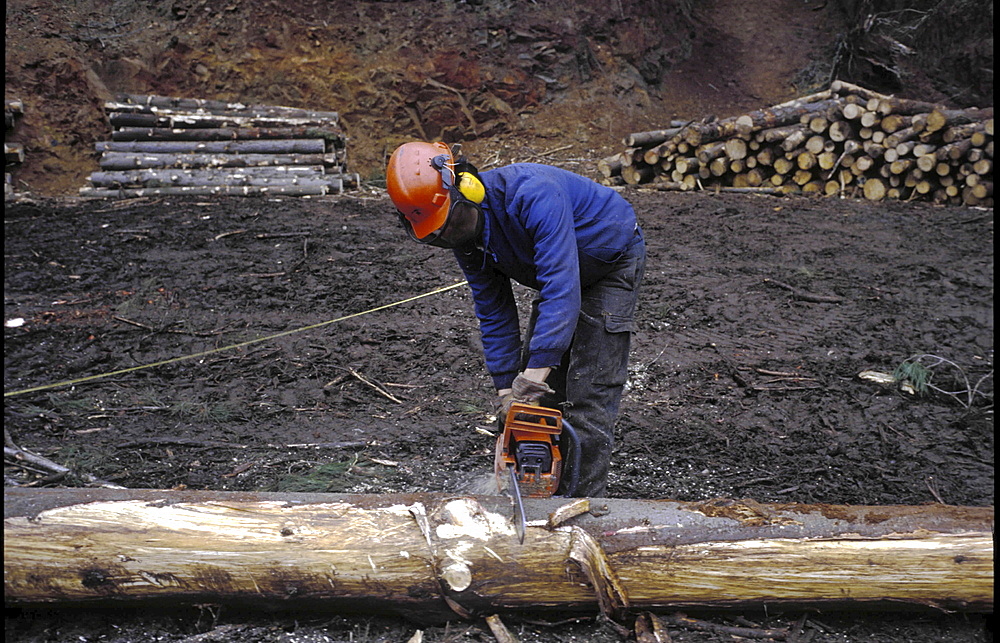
(756, 318)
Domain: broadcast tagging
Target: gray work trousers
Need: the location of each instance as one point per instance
(591, 378)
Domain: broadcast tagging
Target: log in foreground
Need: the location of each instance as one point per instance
(434, 557)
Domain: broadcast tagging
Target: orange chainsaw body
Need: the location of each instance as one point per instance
(529, 445)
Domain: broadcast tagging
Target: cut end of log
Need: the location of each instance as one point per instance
(865, 137)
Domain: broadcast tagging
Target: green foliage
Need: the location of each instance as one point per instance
(84, 461)
(919, 372)
(329, 477)
(915, 373)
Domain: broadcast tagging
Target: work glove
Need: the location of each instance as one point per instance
(522, 390)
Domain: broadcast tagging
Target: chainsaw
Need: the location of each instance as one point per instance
(530, 456)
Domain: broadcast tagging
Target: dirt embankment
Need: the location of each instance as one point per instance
(512, 80)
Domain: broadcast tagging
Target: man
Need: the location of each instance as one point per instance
(576, 242)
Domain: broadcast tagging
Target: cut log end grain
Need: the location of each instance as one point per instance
(858, 139)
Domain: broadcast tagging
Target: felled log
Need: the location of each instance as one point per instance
(282, 175)
(130, 161)
(610, 166)
(12, 110)
(653, 137)
(635, 174)
(334, 137)
(268, 146)
(442, 556)
(778, 116)
(328, 186)
(13, 153)
(148, 103)
(207, 121)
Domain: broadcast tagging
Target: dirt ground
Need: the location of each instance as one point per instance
(756, 318)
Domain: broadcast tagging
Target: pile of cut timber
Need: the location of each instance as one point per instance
(13, 152)
(847, 141)
(169, 146)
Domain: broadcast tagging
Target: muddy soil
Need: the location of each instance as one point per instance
(756, 318)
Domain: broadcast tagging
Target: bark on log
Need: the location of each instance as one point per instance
(127, 161)
(700, 133)
(895, 105)
(13, 153)
(437, 556)
(845, 88)
(635, 174)
(209, 121)
(653, 137)
(787, 114)
(610, 166)
(226, 134)
(136, 102)
(210, 176)
(269, 146)
(331, 185)
(939, 119)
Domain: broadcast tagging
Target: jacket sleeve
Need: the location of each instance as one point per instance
(496, 309)
(547, 215)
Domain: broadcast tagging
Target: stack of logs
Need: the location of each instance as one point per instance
(169, 146)
(847, 141)
(13, 152)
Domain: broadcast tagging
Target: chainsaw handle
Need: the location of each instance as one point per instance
(569, 443)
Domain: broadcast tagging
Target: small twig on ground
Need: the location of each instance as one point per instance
(180, 442)
(499, 630)
(782, 389)
(681, 620)
(932, 487)
(553, 151)
(420, 407)
(374, 385)
(17, 456)
(764, 371)
(795, 635)
(806, 296)
(649, 629)
(223, 235)
(131, 322)
(324, 445)
(731, 367)
(280, 235)
(195, 333)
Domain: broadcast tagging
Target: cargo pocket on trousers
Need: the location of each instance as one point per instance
(612, 363)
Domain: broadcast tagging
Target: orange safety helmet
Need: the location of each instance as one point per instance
(422, 178)
(416, 187)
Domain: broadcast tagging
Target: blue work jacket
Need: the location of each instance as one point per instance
(551, 230)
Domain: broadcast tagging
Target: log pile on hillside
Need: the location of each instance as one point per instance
(168, 146)
(847, 141)
(13, 152)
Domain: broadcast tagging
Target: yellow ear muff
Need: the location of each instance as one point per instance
(471, 187)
